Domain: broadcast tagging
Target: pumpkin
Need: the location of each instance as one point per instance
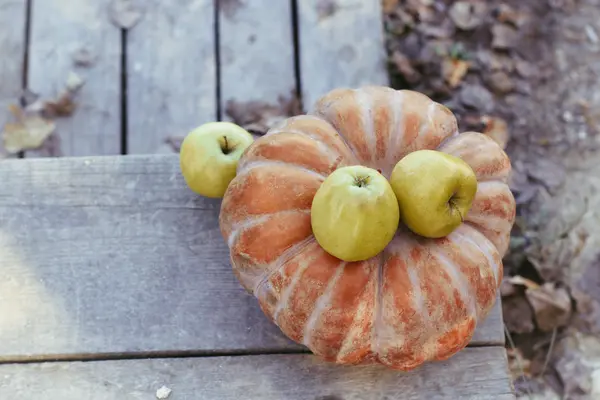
(420, 299)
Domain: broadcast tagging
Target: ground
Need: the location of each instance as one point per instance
(526, 73)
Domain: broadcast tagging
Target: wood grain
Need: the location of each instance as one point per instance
(341, 43)
(12, 52)
(474, 374)
(63, 33)
(256, 51)
(113, 254)
(171, 73)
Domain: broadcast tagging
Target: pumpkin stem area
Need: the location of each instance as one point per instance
(225, 146)
(361, 181)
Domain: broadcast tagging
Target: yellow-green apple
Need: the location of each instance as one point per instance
(209, 156)
(354, 213)
(435, 191)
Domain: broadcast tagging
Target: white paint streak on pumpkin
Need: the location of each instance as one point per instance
(483, 154)
(447, 139)
(396, 134)
(252, 280)
(486, 248)
(459, 283)
(323, 111)
(417, 296)
(361, 315)
(280, 261)
(287, 292)
(365, 106)
(323, 148)
(431, 109)
(247, 223)
(376, 329)
(321, 305)
(246, 167)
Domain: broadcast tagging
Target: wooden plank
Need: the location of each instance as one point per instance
(478, 373)
(115, 254)
(256, 51)
(171, 73)
(62, 31)
(12, 53)
(341, 43)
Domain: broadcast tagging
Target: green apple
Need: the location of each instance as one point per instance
(354, 214)
(209, 156)
(435, 191)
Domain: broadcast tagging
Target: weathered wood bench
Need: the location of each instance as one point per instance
(114, 259)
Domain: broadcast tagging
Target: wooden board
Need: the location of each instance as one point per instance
(171, 73)
(256, 51)
(12, 52)
(62, 32)
(341, 43)
(116, 255)
(474, 374)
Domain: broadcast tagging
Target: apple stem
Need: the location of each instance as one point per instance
(361, 181)
(453, 205)
(225, 149)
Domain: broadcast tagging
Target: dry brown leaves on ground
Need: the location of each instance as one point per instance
(491, 63)
(34, 123)
(29, 131)
(258, 117)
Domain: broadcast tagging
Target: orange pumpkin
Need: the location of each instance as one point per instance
(419, 299)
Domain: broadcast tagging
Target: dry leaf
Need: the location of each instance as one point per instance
(476, 97)
(504, 36)
(63, 105)
(454, 70)
(467, 15)
(575, 374)
(29, 132)
(389, 5)
(518, 365)
(497, 129)
(175, 142)
(84, 57)
(404, 66)
(519, 280)
(125, 13)
(507, 288)
(551, 306)
(517, 314)
(506, 13)
(258, 117)
(325, 8)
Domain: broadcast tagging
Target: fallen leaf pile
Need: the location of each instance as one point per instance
(257, 117)
(33, 124)
(29, 131)
(486, 61)
(464, 54)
